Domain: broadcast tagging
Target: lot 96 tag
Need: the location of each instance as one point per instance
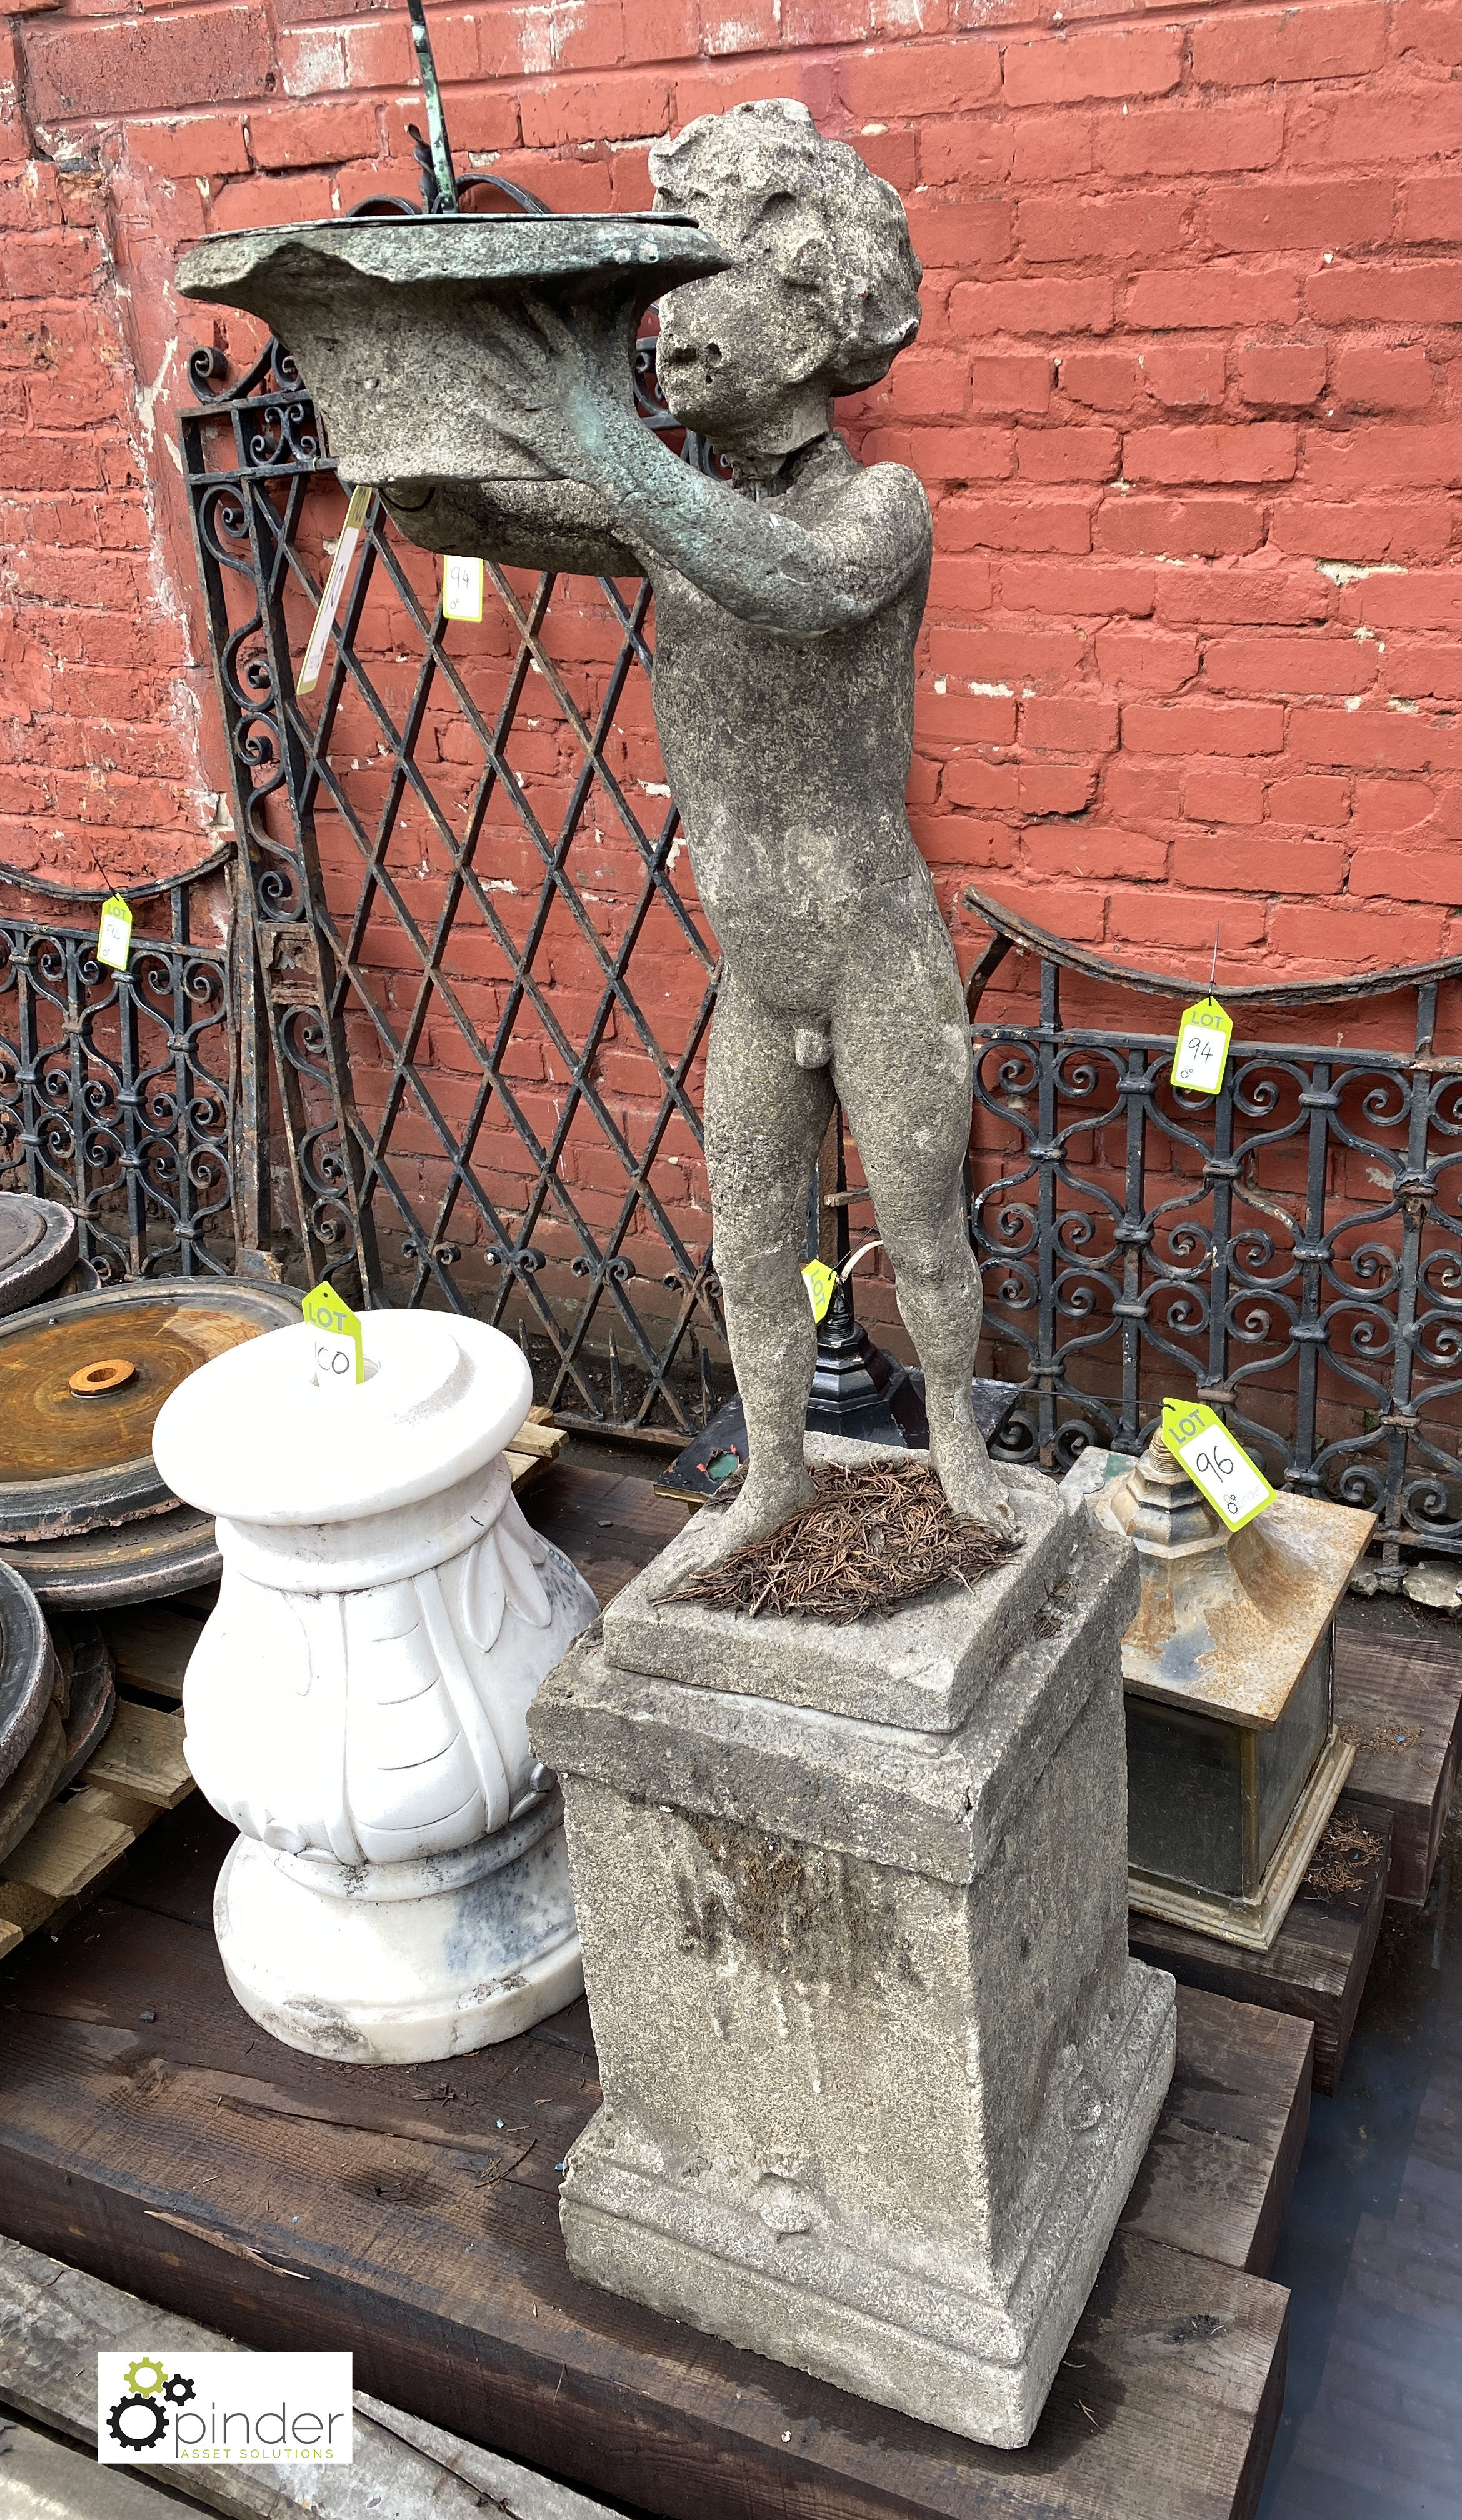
(115, 933)
(1235, 1488)
(1204, 1036)
(340, 1358)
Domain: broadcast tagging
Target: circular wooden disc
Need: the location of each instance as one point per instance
(74, 1464)
(136, 1561)
(37, 1246)
(27, 1669)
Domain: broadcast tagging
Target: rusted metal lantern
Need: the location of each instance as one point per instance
(1234, 1762)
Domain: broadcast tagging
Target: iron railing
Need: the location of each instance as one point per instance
(118, 1094)
(1289, 1249)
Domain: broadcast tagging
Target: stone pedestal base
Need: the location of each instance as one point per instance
(423, 1961)
(761, 2261)
(877, 2072)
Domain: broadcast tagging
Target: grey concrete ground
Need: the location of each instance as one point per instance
(43, 2479)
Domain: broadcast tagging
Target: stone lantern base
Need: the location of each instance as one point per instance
(877, 2071)
(401, 1963)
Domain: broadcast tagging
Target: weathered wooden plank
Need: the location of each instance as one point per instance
(54, 2322)
(69, 1846)
(1316, 1968)
(1220, 2169)
(151, 1646)
(294, 2202)
(143, 1755)
(1399, 1701)
(610, 1522)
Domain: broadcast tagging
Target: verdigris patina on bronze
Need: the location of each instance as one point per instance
(787, 608)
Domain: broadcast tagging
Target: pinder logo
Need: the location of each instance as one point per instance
(233, 2410)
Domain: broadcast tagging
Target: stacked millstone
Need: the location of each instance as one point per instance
(877, 2072)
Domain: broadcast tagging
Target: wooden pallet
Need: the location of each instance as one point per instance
(1316, 1968)
(1399, 1701)
(138, 1772)
(150, 2133)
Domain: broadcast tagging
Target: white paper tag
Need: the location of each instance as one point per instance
(460, 588)
(334, 584)
(1215, 1461)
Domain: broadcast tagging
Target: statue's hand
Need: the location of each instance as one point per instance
(552, 396)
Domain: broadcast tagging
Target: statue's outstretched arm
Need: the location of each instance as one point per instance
(521, 524)
(793, 580)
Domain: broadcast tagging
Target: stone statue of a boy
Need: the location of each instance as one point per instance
(786, 613)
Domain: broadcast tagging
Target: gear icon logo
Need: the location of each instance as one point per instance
(138, 2423)
(145, 2377)
(179, 2390)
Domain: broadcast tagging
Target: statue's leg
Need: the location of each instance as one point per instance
(902, 1060)
(764, 1122)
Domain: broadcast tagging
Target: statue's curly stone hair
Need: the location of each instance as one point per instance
(763, 180)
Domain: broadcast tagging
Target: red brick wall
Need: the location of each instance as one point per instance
(1186, 400)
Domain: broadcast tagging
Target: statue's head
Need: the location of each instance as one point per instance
(822, 291)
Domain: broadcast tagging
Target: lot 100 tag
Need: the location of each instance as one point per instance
(1235, 1487)
(1202, 1053)
(338, 1355)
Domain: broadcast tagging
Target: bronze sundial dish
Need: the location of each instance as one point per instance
(85, 1515)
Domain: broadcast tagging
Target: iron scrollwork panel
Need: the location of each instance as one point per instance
(117, 1089)
(1289, 1249)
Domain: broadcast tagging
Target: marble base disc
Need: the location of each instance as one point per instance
(403, 1963)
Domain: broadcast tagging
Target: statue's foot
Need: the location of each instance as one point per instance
(767, 1498)
(973, 1488)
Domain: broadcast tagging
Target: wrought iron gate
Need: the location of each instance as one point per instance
(428, 1055)
(119, 1090)
(461, 1127)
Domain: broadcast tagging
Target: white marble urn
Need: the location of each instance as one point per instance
(357, 1702)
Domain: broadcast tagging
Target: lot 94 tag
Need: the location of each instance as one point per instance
(1202, 1052)
(460, 588)
(115, 933)
(1235, 1488)
(339, 1356)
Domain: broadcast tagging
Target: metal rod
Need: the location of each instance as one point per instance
(436, 130)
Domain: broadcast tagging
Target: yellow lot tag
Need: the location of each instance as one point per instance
(1216, 1464)
(460, 588)
(115, 933)
(1204, 1036)
(340, 1358)
(819, 1280)
(335, 587)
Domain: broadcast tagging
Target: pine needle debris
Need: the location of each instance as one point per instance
(871, 1540)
